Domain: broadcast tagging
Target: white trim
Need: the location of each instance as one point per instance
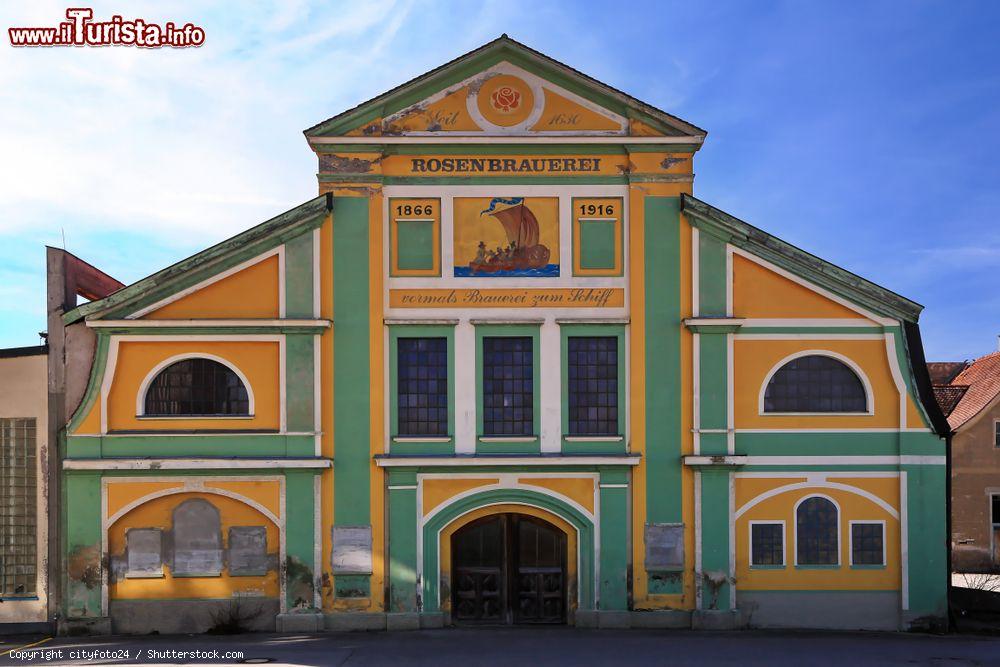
(454, 138)
(140, 398)
(815, 484)
(808, 336)
(193, 464)
(931, 460)
(835, 460)
(716, 460)
(807, 322)
(401, 487)
(613, 486)
(847, 361)
(592, 320)
(723, 321)
(504, 461)
(795, 523)
(832, 430)
(593, 438)
(850, 540)
(203, 323)
(408, 438)
(504, 438)
(400, 321)
(784, 541)
(821, 476)
(279, 251)
(528, 321)
(815, 288)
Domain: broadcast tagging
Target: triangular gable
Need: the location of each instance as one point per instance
(203, 269)
(884, 306)
(762, 291)
(504, 88)
(250, 290)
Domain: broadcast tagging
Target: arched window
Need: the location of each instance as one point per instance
(196, 387)
(815, 383)
(817, 532)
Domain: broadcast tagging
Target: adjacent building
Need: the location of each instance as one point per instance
(505, 368)
(969, 396)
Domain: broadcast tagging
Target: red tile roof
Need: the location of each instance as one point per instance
(948, 396)
(982, 379)
(943, 372)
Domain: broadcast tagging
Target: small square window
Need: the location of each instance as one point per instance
(767, 544)
(867, 543)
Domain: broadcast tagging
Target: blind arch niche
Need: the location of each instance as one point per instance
(816, 382)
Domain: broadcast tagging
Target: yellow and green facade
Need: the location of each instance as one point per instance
(505, 207)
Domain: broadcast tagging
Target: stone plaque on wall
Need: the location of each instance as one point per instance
(247, 551)
(197, 539)
(352, 550)
(664, 546)
(144, 547)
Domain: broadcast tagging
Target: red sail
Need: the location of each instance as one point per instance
(520, 225)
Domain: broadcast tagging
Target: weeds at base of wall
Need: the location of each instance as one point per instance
(235, 618)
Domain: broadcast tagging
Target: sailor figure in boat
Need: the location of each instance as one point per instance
(523, 255)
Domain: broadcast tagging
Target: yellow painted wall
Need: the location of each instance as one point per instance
(852, 507)
(761, 293)
(250, 293)
(258, 361)
(579, 489)
(157, 513)
(754, 358)
(437, 491)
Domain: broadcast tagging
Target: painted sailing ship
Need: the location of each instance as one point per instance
(523, 251)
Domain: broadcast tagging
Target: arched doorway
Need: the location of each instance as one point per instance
(509, 568)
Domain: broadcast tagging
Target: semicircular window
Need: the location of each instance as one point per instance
(815, 383)
(196, 388)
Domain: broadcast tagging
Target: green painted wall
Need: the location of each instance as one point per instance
(266, 445)
(300, 530)
(663, 359)
(614, 549)
(299, 277)
(82, 511)
(715, 539)
(351, 378)
(300, 383)
(402, 541)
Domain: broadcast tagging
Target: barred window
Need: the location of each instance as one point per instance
(592, 375)
(767, 544)
(815, 383)
(508, 386)
(422, 386)
(867, 540)
(196, 388)
(816, 532)
(18, 507)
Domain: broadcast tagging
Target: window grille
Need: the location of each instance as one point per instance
(422, 386)
(508, 386)
(866, 544)
(816, 532)
(196, 387)
(18, 507)
(767, 544)
(815, 383)
(592, 370)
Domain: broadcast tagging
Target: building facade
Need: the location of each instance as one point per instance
(969, 396)
(23, 483)
(505, 368)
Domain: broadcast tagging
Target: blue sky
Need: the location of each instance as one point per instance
(866, 133)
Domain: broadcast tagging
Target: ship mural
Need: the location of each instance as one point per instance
(508, 237)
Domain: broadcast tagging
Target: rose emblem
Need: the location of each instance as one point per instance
(505, 99)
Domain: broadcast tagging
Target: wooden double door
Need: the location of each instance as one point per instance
(508, 568)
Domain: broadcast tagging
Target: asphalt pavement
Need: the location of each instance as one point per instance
(513, 646)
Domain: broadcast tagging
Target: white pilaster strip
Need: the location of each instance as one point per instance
(465, 388)
(550, 386)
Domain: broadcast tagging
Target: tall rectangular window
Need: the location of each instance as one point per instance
(508, 386)
(995, 525)
(592, 375)
(867, 543)
(422, 386)
(18, 507)
(767, 543)
(996, 433)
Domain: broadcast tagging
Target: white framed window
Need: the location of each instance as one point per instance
(867, 543)
(767, 544)
(817, 532)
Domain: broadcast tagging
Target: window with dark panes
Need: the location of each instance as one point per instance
(508, 386)
(18, 507)
(767, 544)
(196, 388)
(866, 544)
(816, 532)
(592, 376)
(422, 386)
(815, 383)
(996, 433)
